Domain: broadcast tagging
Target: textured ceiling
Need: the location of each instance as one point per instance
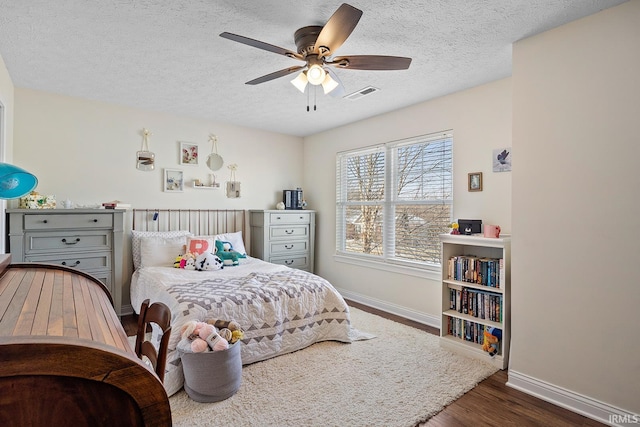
(166, 55)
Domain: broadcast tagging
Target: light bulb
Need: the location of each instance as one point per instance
(316, 74)
(300, 82)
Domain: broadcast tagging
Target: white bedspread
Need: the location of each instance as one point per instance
(280, 309)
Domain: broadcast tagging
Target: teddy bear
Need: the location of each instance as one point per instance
(225, 252)
(491, 340)
(208, 262)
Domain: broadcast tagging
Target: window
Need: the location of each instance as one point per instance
(401, 224)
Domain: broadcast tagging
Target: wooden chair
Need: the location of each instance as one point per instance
(159, 314)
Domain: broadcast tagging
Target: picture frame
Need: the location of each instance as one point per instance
(173, 181)
(475, 181)
(188, 154)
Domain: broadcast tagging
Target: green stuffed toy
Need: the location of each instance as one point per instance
(225, 252)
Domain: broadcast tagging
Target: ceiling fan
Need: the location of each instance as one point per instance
(316, 45)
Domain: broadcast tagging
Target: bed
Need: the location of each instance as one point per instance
(280, 309)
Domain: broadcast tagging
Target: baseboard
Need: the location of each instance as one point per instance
(126, 309)
(572, 401)
(398, 310)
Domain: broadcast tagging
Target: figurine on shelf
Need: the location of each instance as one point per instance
(454, 228)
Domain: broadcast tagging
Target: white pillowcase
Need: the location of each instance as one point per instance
(235, 239)
(137, 236)
(201, 244)
(161, 251)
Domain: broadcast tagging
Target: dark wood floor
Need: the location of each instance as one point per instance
(491, 403)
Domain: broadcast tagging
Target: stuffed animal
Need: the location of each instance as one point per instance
(199, 337)
(186, 261)
(225, 252)
(208, 261)
(191, 341)
(227, 327)
(492, 338)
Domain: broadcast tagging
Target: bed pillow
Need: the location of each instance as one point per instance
(200, 244)
(137, 235)
(236, 241)
(160, 251)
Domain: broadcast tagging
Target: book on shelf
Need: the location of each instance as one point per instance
(484, 305)
(481, 271)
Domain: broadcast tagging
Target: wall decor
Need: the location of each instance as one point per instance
(173, 181)
(233, 186)
(214, 161)
(502, 159)
(145, 159)
(475, 181)
(188, 153)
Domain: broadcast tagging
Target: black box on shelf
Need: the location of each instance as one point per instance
(470, 226)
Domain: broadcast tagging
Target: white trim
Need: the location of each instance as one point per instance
(571, 400)
(424, 273)
(398, 310)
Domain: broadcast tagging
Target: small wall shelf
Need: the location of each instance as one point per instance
(207, 187)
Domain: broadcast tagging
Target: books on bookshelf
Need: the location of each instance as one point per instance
(482, 271)
(475, 303)
(472, 332)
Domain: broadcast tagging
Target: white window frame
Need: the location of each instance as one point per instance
(387, 261)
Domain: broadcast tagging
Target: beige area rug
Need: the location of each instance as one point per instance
(400, 378)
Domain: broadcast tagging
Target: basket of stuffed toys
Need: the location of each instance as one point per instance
(210, 353)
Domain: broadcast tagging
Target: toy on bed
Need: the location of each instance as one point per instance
(208, 261)
(225, 252)
(200, 337)
(491, 341)
(186, 261)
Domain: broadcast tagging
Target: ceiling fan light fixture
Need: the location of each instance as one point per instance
(300, 82)
(316, 74)
(329, 84)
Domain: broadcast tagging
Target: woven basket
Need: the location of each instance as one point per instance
(212, 376)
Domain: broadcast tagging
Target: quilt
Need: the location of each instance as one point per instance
(280, 309)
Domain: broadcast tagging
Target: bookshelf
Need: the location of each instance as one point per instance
(476, 296)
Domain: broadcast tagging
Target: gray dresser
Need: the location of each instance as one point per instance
(284, 237)
(87, 239)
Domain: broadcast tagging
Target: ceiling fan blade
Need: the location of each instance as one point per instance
(275, 75)
(371, 62)
(337, 29)
(261, 45)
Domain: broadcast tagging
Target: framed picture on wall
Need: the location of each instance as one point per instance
(173, 181)
(475, 181)
(188, 153)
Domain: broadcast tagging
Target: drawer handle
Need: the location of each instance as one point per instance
(45, 221)
(288, 231)
(95, 220)
(77, 263)
(288, 262)
(288, 246)
(71, 243)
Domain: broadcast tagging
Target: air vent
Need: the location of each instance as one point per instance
(362, 92)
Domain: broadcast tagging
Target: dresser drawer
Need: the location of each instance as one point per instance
(297, 261)
(295, 231)
(290, 218)
(66, 241)
(85, 261)
(51, 222)
(284, 247)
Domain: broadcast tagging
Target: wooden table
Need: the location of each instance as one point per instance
(64, 356)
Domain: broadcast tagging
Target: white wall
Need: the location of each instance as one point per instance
(481, 121)
(86, 151)
(6, 99)
(576, 234)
